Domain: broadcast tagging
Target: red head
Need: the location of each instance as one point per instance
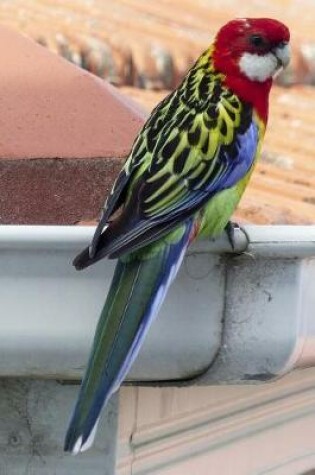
(249, 52)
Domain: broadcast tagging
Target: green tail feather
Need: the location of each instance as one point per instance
(138, 288)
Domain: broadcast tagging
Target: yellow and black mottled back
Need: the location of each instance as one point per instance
(179, 151)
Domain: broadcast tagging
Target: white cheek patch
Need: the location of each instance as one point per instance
(258, 68)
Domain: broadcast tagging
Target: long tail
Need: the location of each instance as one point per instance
(139, 286)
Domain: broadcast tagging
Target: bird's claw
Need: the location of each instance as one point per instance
(230, 231)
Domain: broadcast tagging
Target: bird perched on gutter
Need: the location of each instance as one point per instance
(185, 174)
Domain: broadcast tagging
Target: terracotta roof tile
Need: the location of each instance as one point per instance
(180, 29)
(49, 108)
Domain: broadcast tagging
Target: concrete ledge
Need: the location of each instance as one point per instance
(54, 191)
(34, 417)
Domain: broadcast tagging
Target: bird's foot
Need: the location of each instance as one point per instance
(230, 231)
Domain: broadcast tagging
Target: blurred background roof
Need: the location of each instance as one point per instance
(146, 47)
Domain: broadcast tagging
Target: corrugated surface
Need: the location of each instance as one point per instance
(144, 42)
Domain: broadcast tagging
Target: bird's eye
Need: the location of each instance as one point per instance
(257, 40)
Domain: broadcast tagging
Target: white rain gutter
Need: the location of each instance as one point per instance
(231, 318)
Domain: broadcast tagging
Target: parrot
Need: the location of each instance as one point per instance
(186, 173)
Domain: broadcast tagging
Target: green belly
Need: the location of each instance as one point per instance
(218, 211)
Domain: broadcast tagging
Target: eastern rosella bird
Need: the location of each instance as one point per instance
(185, 174)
